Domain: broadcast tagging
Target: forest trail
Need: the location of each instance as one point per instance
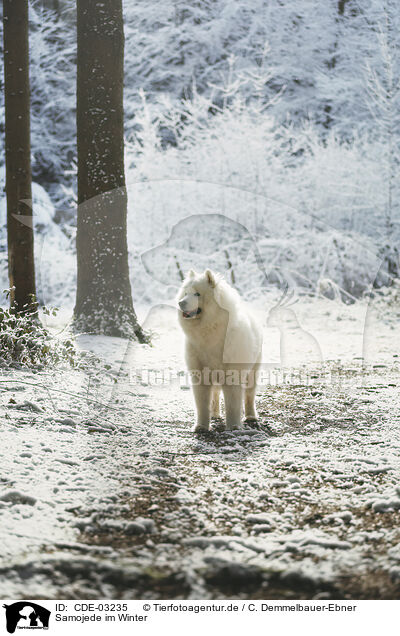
(106, 493)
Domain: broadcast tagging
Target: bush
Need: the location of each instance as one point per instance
(24, 341)
(316, 209)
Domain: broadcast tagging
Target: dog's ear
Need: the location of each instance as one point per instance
(210, 276)
(191, 274)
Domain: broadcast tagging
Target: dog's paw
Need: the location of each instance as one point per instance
(253, 423)
(236, 426)
(251, 418)
(201, 428)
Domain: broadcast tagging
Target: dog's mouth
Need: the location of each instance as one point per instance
(191, 314)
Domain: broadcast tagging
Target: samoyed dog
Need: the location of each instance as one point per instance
(222, 349)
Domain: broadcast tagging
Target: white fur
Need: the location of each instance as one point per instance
(221, 335)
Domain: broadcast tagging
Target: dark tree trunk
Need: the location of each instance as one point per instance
(18, 154)
(104, 298)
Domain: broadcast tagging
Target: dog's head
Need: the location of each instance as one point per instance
(196, 293)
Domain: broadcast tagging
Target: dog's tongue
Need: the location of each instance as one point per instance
(190, 314)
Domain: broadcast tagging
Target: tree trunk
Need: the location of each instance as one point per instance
(21, 266)
(104, 298)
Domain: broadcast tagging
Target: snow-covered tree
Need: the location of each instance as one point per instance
(21, 266)
(383, 93)
(104, 298)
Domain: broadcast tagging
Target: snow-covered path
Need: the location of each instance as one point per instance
(105, 492)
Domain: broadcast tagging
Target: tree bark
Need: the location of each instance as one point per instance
(21, 266)
(104, 298)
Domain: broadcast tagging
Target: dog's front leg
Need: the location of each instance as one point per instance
(202, 398)
(233, 397)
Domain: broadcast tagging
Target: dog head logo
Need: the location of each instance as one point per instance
(226, 245)
(26, 615)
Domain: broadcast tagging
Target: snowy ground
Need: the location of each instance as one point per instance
(106, 492)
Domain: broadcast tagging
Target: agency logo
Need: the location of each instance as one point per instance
(26, 615)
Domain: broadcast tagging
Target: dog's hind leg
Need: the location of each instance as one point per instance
(215, 401)
(250, 413)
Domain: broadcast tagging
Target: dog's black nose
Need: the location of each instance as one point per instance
(182, 304)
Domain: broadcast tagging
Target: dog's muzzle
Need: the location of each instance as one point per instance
(191, 314)
(187, 309)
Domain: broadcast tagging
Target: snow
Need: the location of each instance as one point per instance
(276, 165)
(312, 175)
(127, 487)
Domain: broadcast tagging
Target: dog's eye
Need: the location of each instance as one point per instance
(196, 294)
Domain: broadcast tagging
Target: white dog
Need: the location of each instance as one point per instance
(223, 348)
